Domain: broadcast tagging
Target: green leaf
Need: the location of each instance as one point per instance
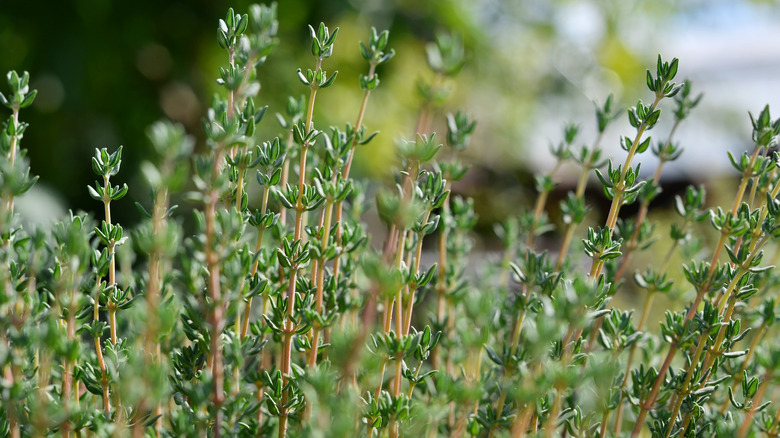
(94, 194)
(653, 118)
(734, 402)
(330, 80)
(284, 261)
(28, 99)
(303, 80)
(368, 139)
(115, 196)
(364, 52)
(650, 81)
(242, 24)
(672, 69)
(493, 355)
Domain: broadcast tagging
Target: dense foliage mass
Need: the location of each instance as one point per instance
(279, 315)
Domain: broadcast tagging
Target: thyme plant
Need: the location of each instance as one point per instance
(278, 313)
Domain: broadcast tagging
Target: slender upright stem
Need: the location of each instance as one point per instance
(285, 177)
(348, 166)
(112, 308)
(684, 389)
(726, 313)
(618, 198)
(560, 387)
(702, 290)
(9, 200)
(289, 328)
(407, 325)
(648, 404)
(395, 425)
(155, 283)
(216, 320)
(9, 377)
(399, 257)
(441, 283)
(101, 361)
(8, 371)
(231, 98)
(516, 331)
(110, 305)
(629, 362)
(255, 265)
(67, 365)
(320, 282)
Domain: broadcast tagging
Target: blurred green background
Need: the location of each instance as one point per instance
(105, 70)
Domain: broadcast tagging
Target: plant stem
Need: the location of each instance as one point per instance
(555, 410)
(617, 199)
(560, 388)
(394, 424)
(214, 360)
(702, 341)
(441, 282)
(629, 363)
(395, 245)
(215, 293)
(67, 364)
(518, 328)
(647, 404)
(359, 122)
(112, 308)
(746, 177)
(418, 255)
(320, 280)
(755, 249)
(9, 379)
(685, 388)
(399, 257)
(643, 320)
(348, 167)
(101, 361)
(9, 199)
(416, 374)
(476, 379)
(231, 97)
(521, 424)
(154, 286)
(110, 305)
(285, 176)
(289, 328)
(604, 421)
(255, 265)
